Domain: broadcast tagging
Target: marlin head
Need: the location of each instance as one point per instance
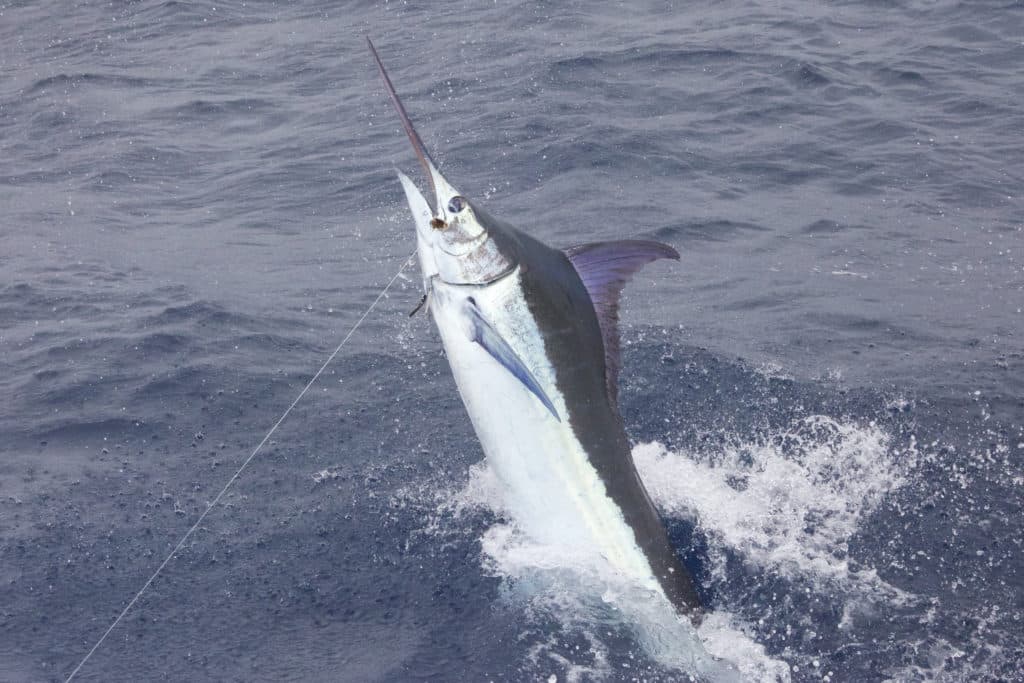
(455, 241)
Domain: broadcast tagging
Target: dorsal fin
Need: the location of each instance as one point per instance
(605, 268)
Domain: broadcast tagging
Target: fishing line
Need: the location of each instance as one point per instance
(235, 476)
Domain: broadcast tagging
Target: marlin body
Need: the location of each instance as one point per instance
(531, 335)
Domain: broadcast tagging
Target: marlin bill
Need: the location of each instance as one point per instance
(531, 333)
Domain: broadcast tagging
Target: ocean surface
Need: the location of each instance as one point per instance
(826, 394)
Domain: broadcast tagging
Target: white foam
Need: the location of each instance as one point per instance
(589, 601)
(789, 502)
(728, 637)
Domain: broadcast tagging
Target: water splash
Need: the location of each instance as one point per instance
(789, 502)
(588, 602)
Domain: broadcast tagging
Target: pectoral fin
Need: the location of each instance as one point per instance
(484, 334)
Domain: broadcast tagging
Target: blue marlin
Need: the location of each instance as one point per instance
(531, 333)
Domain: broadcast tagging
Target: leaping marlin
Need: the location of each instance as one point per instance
(531, 335)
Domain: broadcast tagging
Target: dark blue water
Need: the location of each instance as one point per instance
(826, 394)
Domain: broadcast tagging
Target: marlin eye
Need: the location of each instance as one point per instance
(457, 204)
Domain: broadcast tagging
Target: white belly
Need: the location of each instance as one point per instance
(554, 493)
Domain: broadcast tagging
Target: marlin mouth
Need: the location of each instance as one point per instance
(456, 242)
